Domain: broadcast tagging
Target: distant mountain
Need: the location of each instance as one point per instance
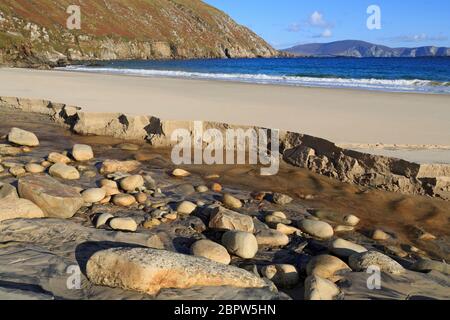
(36, 32)
(362, 49)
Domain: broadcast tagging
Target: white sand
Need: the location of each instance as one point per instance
(342, 116)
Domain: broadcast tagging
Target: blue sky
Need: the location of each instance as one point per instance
(284, 23)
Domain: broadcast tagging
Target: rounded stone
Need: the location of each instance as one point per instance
(282, 275)
(344, 248)
(202, 189)
(141, 198)
(216, 187)
(271, 238)
(365, 260)
(317, 288)
(17, 171)
(327, 267)
(58, 158)
(23, 137)
(380, 235)
(82, 152)
(63, 171)
(180, 173)
(231, 201)
(211, 250)
(150, 223)
(102, 219)
(93, 195)
(34, 168)
(287, 230)
(241, 244)
(351, 220)
(123, 224)
(279, 214)
(132, 183)
(124, 200)
(108, 183)
(186, 207)
(317, 229)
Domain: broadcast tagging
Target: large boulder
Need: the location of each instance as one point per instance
(23, 137)
(13, 208)
(224, 219)
(149, 270)
(54, 198)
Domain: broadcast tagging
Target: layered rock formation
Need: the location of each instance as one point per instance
(36, 33)
(316, 154)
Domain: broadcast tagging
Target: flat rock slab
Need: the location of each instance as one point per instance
(150, 270)
(54, 198)
(14, 208)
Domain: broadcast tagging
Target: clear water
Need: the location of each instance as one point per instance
(426, 75)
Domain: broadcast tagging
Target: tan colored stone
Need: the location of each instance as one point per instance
(317, 288)
(327, 267)
(124, 200)
(180, 173)
(13, 208)
(123, 224)
(23, 137)
(34, 168)
(282, 275)
(58, 158)
(225, 219)
(64, 171)
(241, 244)
(82, 152)
(149, 270)
(132, 183)
(186, 207)
(231, 202)
(93, 195)
(112, 166)
(211, 250)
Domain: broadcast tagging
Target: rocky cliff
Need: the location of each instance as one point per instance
(362, 49)
(35, 32)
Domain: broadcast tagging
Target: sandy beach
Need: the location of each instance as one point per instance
(339, 115)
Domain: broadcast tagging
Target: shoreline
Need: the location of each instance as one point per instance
(344, 116)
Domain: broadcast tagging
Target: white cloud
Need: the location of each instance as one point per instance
(294, 27)
(327, 33)
(316, 19)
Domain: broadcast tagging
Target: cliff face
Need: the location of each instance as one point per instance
(36, 31)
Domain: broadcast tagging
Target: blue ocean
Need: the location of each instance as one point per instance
(423, 75)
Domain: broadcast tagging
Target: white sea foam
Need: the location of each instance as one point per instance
(398, 85)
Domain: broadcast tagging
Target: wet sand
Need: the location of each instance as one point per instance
(339, 115)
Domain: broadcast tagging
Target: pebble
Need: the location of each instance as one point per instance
(287, 230)
(202, 189)
(180, 173)
(64, 171)
(34, 168)
(82, 152)
(23, 137)
(102, 219)
(17, 171)
(46, 164)
(344, 248)
(58, 158)
(123, 200)
(216, 187)
(241, 244)
(141, 198)
(93, 195)
(132, 183)
(231, 201)
(380, 235)
(317, 229)
(282, 275)
(317, 288)
(271, 238)
(151, 223)
(327, 267)
(281, 199)
(123, 224)
(211, 250)
(344, 228)
(186, 207)
(351, 220)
